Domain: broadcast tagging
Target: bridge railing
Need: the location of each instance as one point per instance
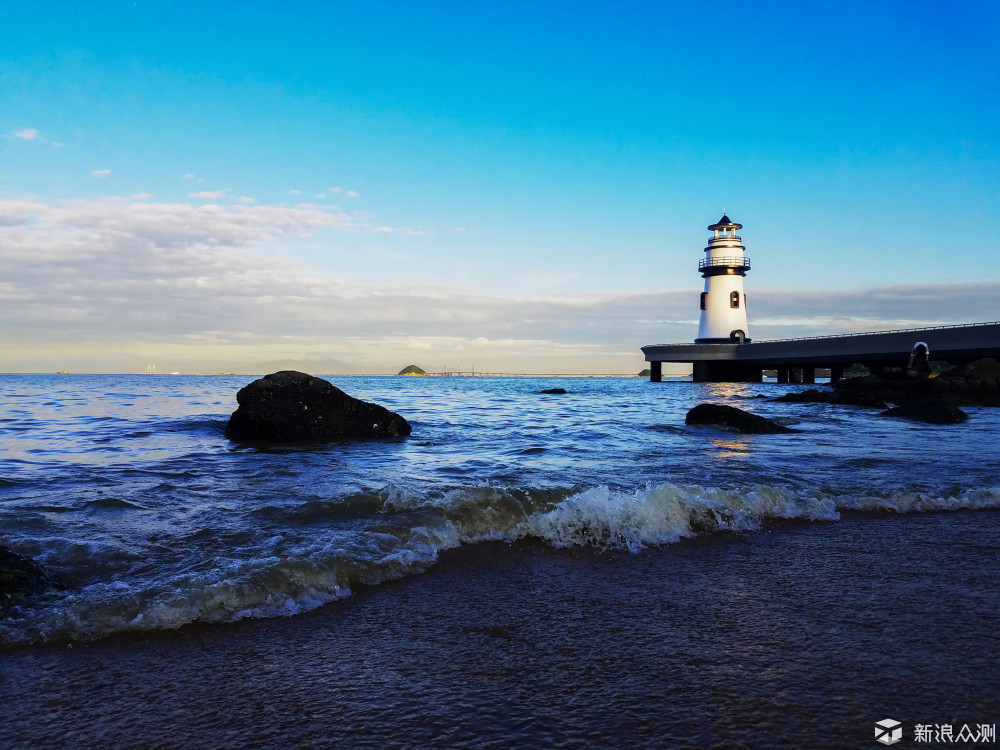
(860, 333)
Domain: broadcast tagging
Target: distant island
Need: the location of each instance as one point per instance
(412, 370)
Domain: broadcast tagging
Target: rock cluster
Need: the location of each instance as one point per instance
(293, 407)
(932, 400)
(974, 384)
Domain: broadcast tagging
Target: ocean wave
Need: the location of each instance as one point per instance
(285, 573)
(111, 503)
(300, 575)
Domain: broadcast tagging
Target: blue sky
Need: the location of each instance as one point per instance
(519, 186)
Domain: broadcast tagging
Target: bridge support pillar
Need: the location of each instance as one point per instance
(836, 372)
(655, 372)
(782, 374)
(726, 372)
(802, 375)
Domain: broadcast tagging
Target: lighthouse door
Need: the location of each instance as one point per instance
(737, 336)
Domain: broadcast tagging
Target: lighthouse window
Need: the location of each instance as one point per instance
(704, 300)
(734, 299)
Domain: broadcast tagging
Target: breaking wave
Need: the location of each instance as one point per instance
(300, 568)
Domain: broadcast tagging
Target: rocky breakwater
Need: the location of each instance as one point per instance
(974, 384)
(935, 400)
(293, 407)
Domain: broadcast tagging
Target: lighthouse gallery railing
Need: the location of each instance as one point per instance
(740, 262)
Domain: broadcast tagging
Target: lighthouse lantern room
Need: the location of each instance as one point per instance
(723, 303)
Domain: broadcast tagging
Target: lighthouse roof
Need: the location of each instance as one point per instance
(725, 223)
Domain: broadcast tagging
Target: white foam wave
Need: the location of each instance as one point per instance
(665, 513)
(656, 514)
(286, 574)
(913, 502)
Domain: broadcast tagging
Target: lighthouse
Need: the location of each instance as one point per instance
(723, 303)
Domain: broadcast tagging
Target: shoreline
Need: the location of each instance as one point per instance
(802, 635)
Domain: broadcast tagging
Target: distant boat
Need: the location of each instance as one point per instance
(62, 372)
(151, 369)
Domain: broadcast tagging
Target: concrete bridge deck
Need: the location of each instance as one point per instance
(796, 360)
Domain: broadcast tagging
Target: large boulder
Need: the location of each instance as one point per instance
(293, 407)
(731, 418)
(21, 577)
(931, 410)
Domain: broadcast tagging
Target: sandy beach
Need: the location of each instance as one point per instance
(787, 637)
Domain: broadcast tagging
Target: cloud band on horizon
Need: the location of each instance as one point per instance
(114, 273)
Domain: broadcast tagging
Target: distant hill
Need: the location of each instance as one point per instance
(411, 370)
(643, 374)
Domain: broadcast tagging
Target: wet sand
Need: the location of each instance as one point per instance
(800, 636)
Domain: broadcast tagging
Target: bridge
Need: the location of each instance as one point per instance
(796, 360)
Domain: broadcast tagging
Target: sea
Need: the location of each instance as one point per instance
(526, 569)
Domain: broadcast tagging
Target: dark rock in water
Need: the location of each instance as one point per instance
(842, 397)
(859, 398)
(877, 391)
(810, 396)
(730, 417)
(554, 390)
(931, 410)
(21, 577)
(293, 407)
(871, 395)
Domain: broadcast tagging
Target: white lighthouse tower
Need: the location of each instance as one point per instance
(723, 303)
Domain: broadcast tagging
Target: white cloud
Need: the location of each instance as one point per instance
(335, 190)
(245, 199)
(295, 192)
(132, 278)
(140, 196)
(408, 231)
(100, 172)
(31, 134)
(208, 195)
(351, 194)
